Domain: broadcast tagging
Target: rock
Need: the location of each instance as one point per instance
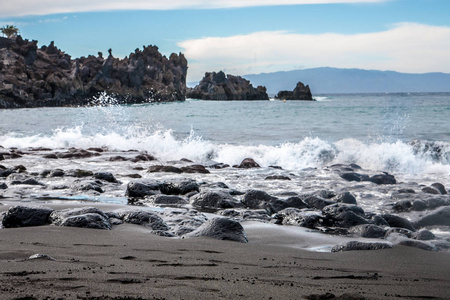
(346, 197)
(47, 76)
(297, 217)
(245, 214)
(88, 186)
(440, 187)
(195, 169)
(317, 202)
(180, 188)
(295, 202)
(222, 229)
(106, 176)
(167, 200)
(52, 173)
(40, 256)
(417, 244)
(76, 153)
(277, 177)
(88, 220)
(354, 176)
(439, 217)
(383, 179)
(143, 157)
(396, 221)
(145, 218)
(436, 202)
(167, 169)
(24, 216)
(419, 205)
(423, 235)
(397, 231)
(140, 189)
(248, 163)
(218, 86)
(214, 200)
(338, 208)
(430, 190)
(301, 92)
(355, 245)
(402, 206)
(255, 199)
(79, 173)
(58, 217)
(3, 186)
(368, 231)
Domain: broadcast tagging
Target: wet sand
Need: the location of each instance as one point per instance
(130, 263)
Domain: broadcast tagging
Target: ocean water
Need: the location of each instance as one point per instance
(406, 135)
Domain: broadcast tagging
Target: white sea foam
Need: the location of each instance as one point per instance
(309, 152)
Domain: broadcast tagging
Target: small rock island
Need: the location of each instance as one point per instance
(218, 86)
(301, 92)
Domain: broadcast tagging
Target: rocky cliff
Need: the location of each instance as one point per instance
(218, 86)
(301, 92)
(46, 76)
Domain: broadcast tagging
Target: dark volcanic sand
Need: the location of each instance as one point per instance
(130, 263)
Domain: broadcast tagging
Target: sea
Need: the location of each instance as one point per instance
(404, 134)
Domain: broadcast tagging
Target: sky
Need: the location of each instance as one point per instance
(247, 36)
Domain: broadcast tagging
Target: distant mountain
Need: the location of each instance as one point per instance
(333, 80)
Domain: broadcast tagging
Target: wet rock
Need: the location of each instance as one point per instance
(214, 200)
(295, 202)
(440, 187)
(6, 172)
(140, 189)
(397, 231)
(167, 200)
(417, 244)
(354, 176)
(384, 178)
(3, 186)
(423, 235)
(338, 208)
(180, 188)
(58, 217)
(430, 190)
(368, 231)
(297, 217)
(143, 157)
(345, 197)
(438, 217)
(301, 92)
(88, 220)
(255, 199)
(245, 214)
(183, 221)
(145, 218)
(402, 206)
(248, 163)
(52, 173)
(396, 221)
(317, 202)
(355, 245)
(78, 173)
(106, 176)
(166, 169)
(195, 169)
(117, 158)
(277, 177)
(222, 229)
(24, 216)
(28, 181)
(76, 153)
(88, 186)
(436, 202)
(219, 166)
(345, 219)
(325, 194)
(40, 256)
(419, 205)
(406, 191)
(50, 156)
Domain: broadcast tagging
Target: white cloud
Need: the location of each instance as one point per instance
(10, 8)
(406, 47)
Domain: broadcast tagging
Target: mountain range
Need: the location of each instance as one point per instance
(334, 80)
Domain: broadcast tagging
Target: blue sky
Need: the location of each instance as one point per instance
(402, 35)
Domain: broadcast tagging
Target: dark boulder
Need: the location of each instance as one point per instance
(145, 218)
(106, 176)
(24, 216)
(78, 173)
(57, 217)
(166, 169)
(368, 231)
(301, 92)
(214, 200)
(168, 200)
(355, 245)
(439, 217)
(440, 187)
(3, 186)
(402, 206)
(76, 153)
(423, 235)
(180, 188)
(383, 179)
(345, 197)
(396, 221)
(255, 199)
(248, 163)
(277, 177)
(195, 169)
(140, 189)
(222, 229)
(417, 244)
(317, 202)
(338, 208)
(88, 186)
(298, 217)
(354, 176)
(245, 214)
(430, 190)
(89, 220)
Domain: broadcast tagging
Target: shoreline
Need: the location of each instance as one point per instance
(129, 262)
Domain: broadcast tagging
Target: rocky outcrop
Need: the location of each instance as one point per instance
(301, 92)
(46, 76)
(218, 86)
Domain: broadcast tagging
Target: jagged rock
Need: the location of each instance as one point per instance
(46, 76)
(396, 221)
(24, 216)
(301, 92)
(222, 229)
(248, 163)
(214, 200)
(438, 217)
(218, 86)
(355, 245)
